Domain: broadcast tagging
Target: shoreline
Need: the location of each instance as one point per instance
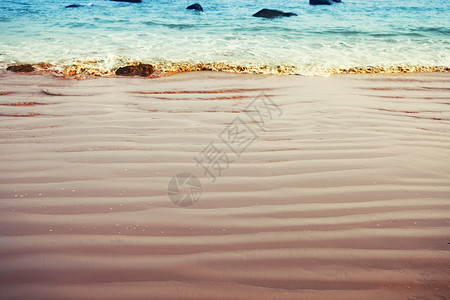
(91, 69)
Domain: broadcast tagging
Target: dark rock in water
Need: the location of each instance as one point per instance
(74, 5)
(195, 6)
(320, 2)
(289, 14)
(271, 13)
(143, 70)
(337, 1)
(21, 68)
(130, 1)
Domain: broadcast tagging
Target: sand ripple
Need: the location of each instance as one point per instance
(343, 196)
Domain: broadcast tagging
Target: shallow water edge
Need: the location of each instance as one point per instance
(93, 68)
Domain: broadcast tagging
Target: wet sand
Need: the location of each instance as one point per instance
(343, 192)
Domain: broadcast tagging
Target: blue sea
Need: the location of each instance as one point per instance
(103, 35)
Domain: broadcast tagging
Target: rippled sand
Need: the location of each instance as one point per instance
(343, 194)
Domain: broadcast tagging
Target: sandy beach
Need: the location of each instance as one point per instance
(340, 189)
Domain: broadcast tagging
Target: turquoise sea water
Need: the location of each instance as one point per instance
(105, 34)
